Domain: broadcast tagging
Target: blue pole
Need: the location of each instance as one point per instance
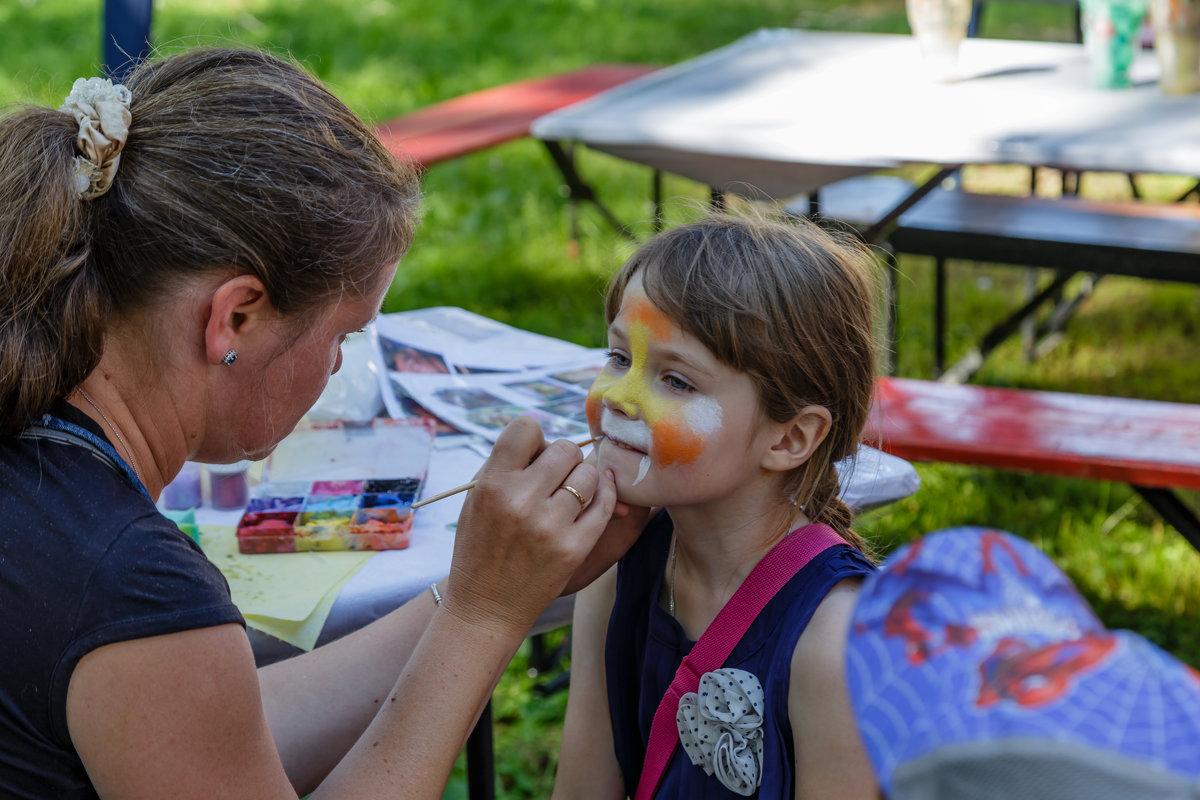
(126, 35)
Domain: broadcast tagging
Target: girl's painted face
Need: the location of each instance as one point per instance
(679, 426)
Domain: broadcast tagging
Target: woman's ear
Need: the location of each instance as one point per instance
(799, 439)
(239, 313)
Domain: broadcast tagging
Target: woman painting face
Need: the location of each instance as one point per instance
(678, 426)
(276, 385)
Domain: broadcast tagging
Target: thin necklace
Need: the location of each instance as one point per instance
(671, 581)
(671, 575)
(120, 438)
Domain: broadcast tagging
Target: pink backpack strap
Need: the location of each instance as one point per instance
(770, 575)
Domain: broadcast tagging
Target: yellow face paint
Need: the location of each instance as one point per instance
(635, 391)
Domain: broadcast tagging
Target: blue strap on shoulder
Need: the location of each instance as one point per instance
(52, 428)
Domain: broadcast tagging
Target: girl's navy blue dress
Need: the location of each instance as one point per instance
(645, 645)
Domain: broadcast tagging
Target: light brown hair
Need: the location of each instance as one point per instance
(790, 305)
(236, 161)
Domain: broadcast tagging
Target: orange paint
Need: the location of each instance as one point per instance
(592, 408)
(634, 392)
(674, 444)
(657, 323)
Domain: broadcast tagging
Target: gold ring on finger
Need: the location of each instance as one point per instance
(574, 491)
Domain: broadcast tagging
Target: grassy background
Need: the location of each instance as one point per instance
(495, 241)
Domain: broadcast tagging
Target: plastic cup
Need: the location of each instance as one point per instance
(1110, 35)
(939, 26)
(227, 485)
(184, 492)
(1176, 26)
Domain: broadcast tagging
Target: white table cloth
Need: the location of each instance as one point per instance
(781, 112)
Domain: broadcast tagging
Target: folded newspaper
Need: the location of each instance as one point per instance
(475, 375)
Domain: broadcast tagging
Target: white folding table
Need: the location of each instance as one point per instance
(782, 112)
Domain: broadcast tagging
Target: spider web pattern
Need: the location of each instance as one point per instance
(972, 635)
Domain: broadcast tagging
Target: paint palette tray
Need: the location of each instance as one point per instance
(339, 486)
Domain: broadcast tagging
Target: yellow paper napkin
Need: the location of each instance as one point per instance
(286, 595)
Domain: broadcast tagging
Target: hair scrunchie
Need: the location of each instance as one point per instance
(102, 110)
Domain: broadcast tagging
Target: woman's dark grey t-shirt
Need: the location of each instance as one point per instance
(85, 560)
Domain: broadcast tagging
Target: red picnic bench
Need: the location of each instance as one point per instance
(493, 116)
(1154, 446)
(500, 114)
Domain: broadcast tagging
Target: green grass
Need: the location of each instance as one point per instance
(495, 241)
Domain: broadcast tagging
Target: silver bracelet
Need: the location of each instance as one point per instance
(437, 596)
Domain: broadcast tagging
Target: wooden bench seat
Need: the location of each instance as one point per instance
(1144, 240)
(489, 117)
(1153, 446)
(1070, 235)
(493, 116)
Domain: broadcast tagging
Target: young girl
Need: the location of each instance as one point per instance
(741, 369)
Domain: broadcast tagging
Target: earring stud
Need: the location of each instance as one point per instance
(229, 358)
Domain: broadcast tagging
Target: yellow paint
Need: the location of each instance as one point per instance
(636, 391)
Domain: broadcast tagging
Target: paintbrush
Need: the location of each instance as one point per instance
(471, 484)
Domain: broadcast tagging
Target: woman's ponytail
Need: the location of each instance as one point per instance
(53, 307)
(237, 160)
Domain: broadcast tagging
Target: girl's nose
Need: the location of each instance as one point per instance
(620, 399)
(623, 408)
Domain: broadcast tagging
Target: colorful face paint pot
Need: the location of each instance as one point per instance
(340, 513)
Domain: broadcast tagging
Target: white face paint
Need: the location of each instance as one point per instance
(633, 433)
(689, 426)
(703, 415)
(643, 468)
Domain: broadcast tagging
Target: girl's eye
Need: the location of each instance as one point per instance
(678, 384)
(617, 359)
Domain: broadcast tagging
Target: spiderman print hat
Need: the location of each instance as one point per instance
(976, 670)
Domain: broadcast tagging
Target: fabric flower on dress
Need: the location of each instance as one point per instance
(720, 728)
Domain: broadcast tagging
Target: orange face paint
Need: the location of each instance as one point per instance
(634, 391)
(674, 444)
(655, 323)
(592, 408)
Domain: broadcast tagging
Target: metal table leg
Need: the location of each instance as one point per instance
(481, 762)
(1177, 514)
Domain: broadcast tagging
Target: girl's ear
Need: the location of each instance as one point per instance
(799, 439)
(239, 312)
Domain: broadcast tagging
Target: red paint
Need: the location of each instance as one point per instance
(989, 541)
(228, 490)
(1143, 442)
(496, 115)
(1034, 676)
